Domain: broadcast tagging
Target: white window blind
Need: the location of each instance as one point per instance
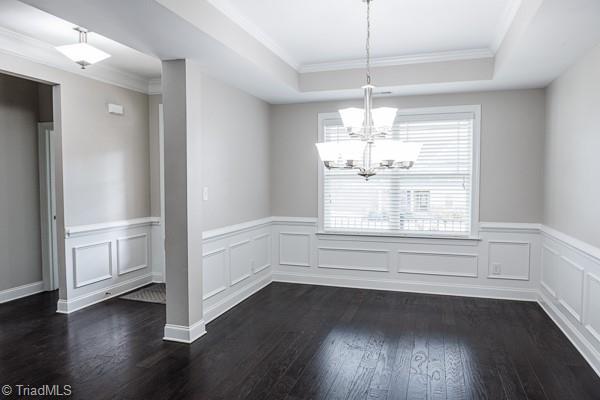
(434, 197)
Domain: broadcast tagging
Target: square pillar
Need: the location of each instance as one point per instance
(182, 82)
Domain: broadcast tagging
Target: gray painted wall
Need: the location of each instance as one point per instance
(235, 163)
(105, 156)
(512, 138)
(572, 167)
(235, 159)
(20, 237)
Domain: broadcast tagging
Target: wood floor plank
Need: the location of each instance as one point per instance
(299, 342)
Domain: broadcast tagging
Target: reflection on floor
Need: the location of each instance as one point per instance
(299, 341)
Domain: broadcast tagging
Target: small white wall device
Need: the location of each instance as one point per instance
(116, 109)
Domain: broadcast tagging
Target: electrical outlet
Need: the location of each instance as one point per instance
(205, 193)
(497, 269)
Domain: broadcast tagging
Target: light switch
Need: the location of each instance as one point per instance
(205, 193)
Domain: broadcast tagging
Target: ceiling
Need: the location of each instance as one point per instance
(322, 31)
(287, 51)
(47, 30)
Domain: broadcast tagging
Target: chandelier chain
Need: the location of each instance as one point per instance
(368, 44)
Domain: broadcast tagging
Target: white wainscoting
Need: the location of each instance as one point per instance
(507, 261)
(106, 260)
(236, 264)
(443, 265)
(570, 290)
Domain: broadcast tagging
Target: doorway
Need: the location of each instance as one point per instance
(29, 235)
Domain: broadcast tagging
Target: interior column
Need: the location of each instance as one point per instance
(181, 82)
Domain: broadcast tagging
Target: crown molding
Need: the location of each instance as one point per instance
(155, 86)
(22, 46)
(231, 12)
(400, 60)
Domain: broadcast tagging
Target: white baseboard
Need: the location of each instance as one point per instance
(184, 334)
(412, 287)
(77, 303)
(235, 298)
(21, 291)
(571, 332)
(157, 277)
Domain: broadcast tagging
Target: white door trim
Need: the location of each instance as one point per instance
(48, 205)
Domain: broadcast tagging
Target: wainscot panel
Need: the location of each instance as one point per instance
(106, 260)
(570, 290)
(421, 264)
(236, 264)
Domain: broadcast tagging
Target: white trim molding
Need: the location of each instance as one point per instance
(185, 334)
(235, 229)
(513, 227)
(456, 55)
(570, 290)
(21, 291)
(155, 86)
(108, 259)
(97, 296)
(448, 289)
(574, 243)
(79, 230)
(18, 45)
(538, 264)
(237, 262)
(440, 265)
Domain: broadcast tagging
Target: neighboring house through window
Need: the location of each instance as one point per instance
(438, 196)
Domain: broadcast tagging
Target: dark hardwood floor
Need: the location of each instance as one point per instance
(299, 342)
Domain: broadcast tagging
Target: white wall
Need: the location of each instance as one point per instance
(236, 160)
(512, 137)
(154, 147)
(20, 237)
(572, 169)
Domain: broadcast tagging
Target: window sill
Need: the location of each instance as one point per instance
(465, 238)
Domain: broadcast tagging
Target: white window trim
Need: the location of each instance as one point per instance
(474, 234)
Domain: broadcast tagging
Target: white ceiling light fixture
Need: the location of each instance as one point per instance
(365, 125)
(83, 53)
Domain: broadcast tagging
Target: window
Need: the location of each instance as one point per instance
(438, 196)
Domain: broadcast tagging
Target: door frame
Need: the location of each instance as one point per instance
(47, 184)
(161, 152)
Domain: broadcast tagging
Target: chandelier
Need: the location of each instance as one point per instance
(83, 53)
(364, 126)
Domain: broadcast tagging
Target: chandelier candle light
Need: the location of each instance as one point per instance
(364, 126)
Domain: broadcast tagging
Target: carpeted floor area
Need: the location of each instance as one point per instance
(155, 293)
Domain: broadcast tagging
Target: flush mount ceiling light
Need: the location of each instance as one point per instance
(364, 125)
(83, 53)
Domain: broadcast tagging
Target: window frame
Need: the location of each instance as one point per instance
(474, 232)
